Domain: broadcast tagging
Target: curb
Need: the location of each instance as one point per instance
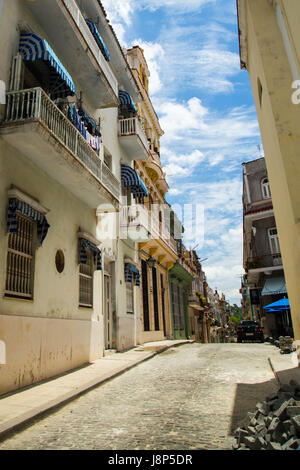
(26, 417)
(274, 371)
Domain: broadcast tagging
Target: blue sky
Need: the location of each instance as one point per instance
(205, 106)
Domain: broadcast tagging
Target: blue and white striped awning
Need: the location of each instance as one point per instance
(25, 209)
(130, 179)
(94, 30)
(84, 244)
(127, 101)
(32, 48)
(132, 273)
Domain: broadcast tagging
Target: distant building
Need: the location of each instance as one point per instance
(264, 281)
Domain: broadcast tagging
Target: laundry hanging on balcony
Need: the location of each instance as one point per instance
(132, 273)
(94, 30)
(44, 63)
(89, 122)
(126, 100)
(27, 210)
(86, 244)
(131, 179)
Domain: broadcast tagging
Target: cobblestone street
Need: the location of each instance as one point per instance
(189, 397)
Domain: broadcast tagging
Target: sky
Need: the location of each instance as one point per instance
(205, 107)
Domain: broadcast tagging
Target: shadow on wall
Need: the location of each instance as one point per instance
(246, 398)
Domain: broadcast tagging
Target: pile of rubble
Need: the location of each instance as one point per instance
(276, 423)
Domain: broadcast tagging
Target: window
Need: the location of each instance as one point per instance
(274, 241)
(129, 297)
(266, 193)
(86, 279)
(20, 260)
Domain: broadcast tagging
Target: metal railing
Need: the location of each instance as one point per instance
(264, 261)
(34, 105)
(132, 126)
(85, 31)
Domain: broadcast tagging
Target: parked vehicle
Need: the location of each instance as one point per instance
(249, 330)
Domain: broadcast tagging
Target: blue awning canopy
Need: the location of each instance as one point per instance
(27, 210)
(94, 30)
(33, 48)
(126, 100)
(131, 179)
(282, 304)
(131, 273)
(274, 285)
(84, 244)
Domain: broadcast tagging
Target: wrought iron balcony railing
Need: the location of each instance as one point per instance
(34, 105)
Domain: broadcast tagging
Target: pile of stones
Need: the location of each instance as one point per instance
(275, 425)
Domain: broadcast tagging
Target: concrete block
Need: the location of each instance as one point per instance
(281, 412)
(273, 446)
(293, 411)
(291, 444)
(274, 424)
(296, 422)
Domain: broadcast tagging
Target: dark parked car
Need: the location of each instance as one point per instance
(249, 330)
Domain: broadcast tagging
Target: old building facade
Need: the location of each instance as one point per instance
(264, 282)
(270, 51)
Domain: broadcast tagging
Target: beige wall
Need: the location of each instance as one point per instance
(39, 348)
(279, 124)
(51, 333)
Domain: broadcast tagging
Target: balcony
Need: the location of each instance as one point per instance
(135, 223)
(133, 139)
(35, 126)
(264, 262)
(74, 43)
(194, 302)
(142, 226)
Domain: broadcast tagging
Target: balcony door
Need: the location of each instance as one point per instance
(145, 296)
(274, 241)
(155, 299)
(108, 319)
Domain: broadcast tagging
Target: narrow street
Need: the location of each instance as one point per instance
(189, 397)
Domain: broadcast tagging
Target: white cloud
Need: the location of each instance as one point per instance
(119, 11)
(124, 9)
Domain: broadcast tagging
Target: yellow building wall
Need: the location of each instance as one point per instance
(279, 124)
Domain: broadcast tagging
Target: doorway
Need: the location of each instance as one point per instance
(108, 320)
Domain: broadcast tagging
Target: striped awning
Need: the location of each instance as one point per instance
(131, 273)
(33, 48)
(86, 244)
(23, 208)
(126, 100)
(94, 30)
(131, 179)
(274, 285)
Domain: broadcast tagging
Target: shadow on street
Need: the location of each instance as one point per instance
(246, 398)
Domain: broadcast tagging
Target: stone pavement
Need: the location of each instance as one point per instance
(21, 406)
(191, 397)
